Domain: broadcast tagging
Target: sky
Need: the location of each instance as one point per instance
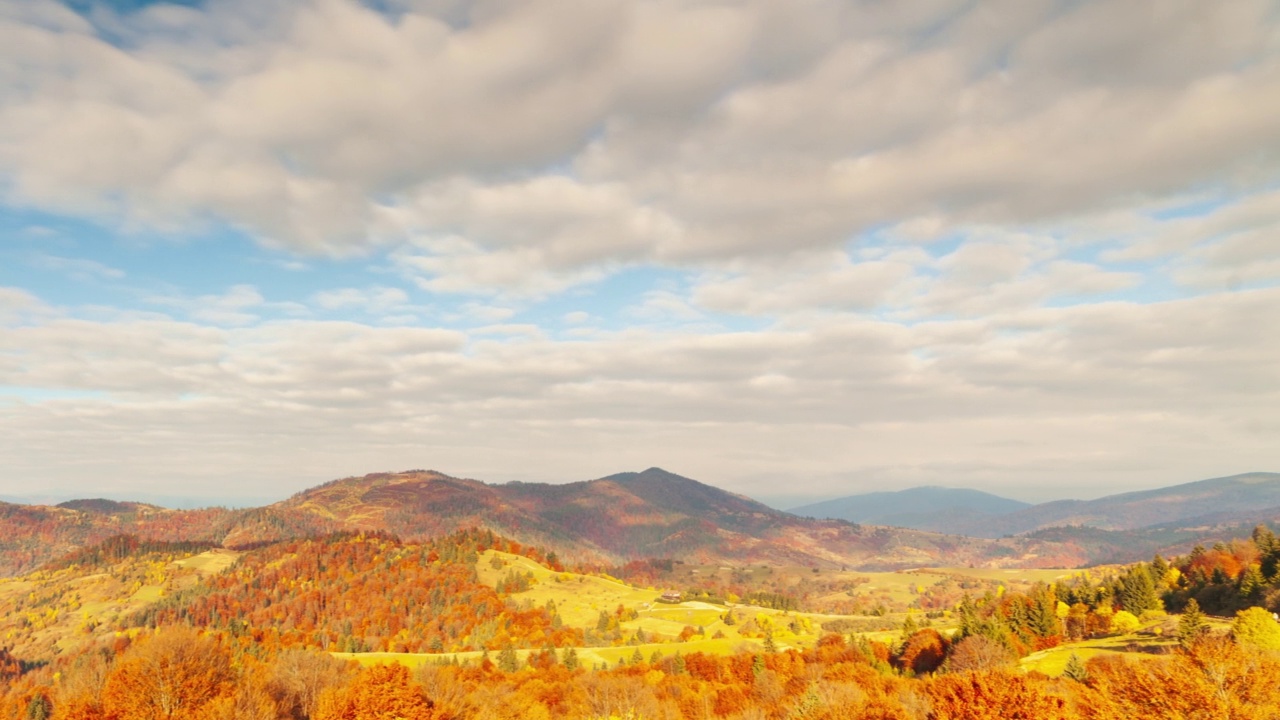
(796, 249)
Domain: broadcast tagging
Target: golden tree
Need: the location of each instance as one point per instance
(174, 674)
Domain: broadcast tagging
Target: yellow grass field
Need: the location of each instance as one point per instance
(580, 598)
(78, 607)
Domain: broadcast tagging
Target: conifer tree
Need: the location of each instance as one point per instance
(1138, 591)
(1192, 624)
(1268, 551)
(1250, 583)
(909, 628)
(507, 660)
(1075, 669)
(570, 659)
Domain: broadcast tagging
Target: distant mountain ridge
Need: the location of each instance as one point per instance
(932, 508)
(1222, 497)
(1236, 498)
(655, 513)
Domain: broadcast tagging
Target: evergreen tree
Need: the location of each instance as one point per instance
(1075, 669)
(39, 708)
(968, 618)
(1042, 616)
(636, 657)
(1192, 624)
(1158, 568)
(909, 628)
(769, 645)
(570, 659)
(507, 660)
(1250, 583)
(1268, 550)
(1138, 591)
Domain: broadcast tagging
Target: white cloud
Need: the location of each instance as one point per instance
(78, 268)
(694, 134)
(375, 300)
(16, 303)
(1044, 392)
(824, 281)
(240, 305)
(921, 206)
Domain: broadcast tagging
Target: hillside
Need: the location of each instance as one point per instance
(1150, 517)
(627, 516)
(936, 509)
(652, 513)
(31, 535)
(476, 625)
(656, 513)
(1238, 495)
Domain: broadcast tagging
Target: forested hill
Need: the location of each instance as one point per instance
(652, 513)
(656, 513)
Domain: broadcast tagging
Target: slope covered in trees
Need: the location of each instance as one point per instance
(363, 593)
(632, 516)
(178, 672)
(252, 640)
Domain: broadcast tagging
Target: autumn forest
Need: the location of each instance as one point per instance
(364, 625)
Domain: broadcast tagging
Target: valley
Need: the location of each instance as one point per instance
(657, 596)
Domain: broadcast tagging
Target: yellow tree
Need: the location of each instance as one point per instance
(1256, 627)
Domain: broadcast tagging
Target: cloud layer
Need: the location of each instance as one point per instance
(1015, 245)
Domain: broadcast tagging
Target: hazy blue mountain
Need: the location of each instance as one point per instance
(1241, 496)
(937, 509)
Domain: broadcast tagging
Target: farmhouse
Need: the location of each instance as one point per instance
(671, 596)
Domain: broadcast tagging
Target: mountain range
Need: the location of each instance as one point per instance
(656, 513)
(1238, 498)
(937, 509)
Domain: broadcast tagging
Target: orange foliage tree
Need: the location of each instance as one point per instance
(175, 674)
(994, 695)
(377, 693)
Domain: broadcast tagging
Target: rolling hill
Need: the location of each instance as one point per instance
(627, 516)
(656, 513)
(653, 513)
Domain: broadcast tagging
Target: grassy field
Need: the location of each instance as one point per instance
(1154, 639)
(1015, 576)
(580, 598)
(68, 607)
(588, 657)
(211, 562)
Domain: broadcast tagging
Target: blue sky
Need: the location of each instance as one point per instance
(795, 251)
